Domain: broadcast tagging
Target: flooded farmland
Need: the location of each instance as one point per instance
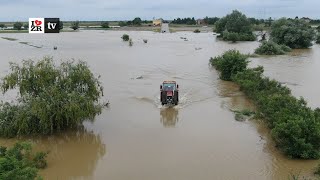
(135, 138)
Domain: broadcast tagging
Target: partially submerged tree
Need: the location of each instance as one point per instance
(51, 97)
(272, 48)
(295, 33)
(75, 25)
(125, 37)
(230, 63)
(17, 25)
(233, 24)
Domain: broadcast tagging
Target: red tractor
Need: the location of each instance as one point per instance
(169, 93)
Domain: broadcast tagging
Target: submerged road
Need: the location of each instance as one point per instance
(165, 28)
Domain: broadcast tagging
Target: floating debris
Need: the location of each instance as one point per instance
(140, 77)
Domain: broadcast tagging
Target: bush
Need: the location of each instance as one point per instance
(20, 163)
(271, 48)
(105, 24)
(2, 25)
(51, 98)
(234, 37)
(75, 25)
(294, 126)
(295, 33)
(235, 27)
(197, 31)
(125, 37)
(230, 36)
(230, 63)
(17, 25)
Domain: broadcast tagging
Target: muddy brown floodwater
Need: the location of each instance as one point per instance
(138, 139)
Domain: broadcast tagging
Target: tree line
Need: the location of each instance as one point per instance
(295, 127)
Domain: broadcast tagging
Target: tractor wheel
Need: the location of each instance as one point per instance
(163, 97)
(176, 97)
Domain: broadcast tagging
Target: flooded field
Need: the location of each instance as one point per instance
(138, 139)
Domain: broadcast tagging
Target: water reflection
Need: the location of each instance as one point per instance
(73, 155)
(169, 117)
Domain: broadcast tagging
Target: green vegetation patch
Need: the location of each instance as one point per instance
(244, 114)
(51, 97)
(125, 37)
(230, 63)
(272, 48)
(235, 27)
(295, 127)
(295, 33)
(20, 163)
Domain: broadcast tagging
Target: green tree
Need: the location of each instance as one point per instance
(2, 25)
(230, 63)
(210, 21)
(105, 24)
(272, 48)
(137, 21)
(238, 23)
(294, 33)
(20, 163)
(17, 25)
(51, 98)
(75, 25)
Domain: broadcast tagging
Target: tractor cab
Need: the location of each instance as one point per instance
(169, 93)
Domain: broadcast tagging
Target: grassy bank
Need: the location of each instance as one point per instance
(295, 127)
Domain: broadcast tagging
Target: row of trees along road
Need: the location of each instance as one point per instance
(295, 127)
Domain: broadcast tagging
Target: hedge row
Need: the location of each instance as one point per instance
(295, 127)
